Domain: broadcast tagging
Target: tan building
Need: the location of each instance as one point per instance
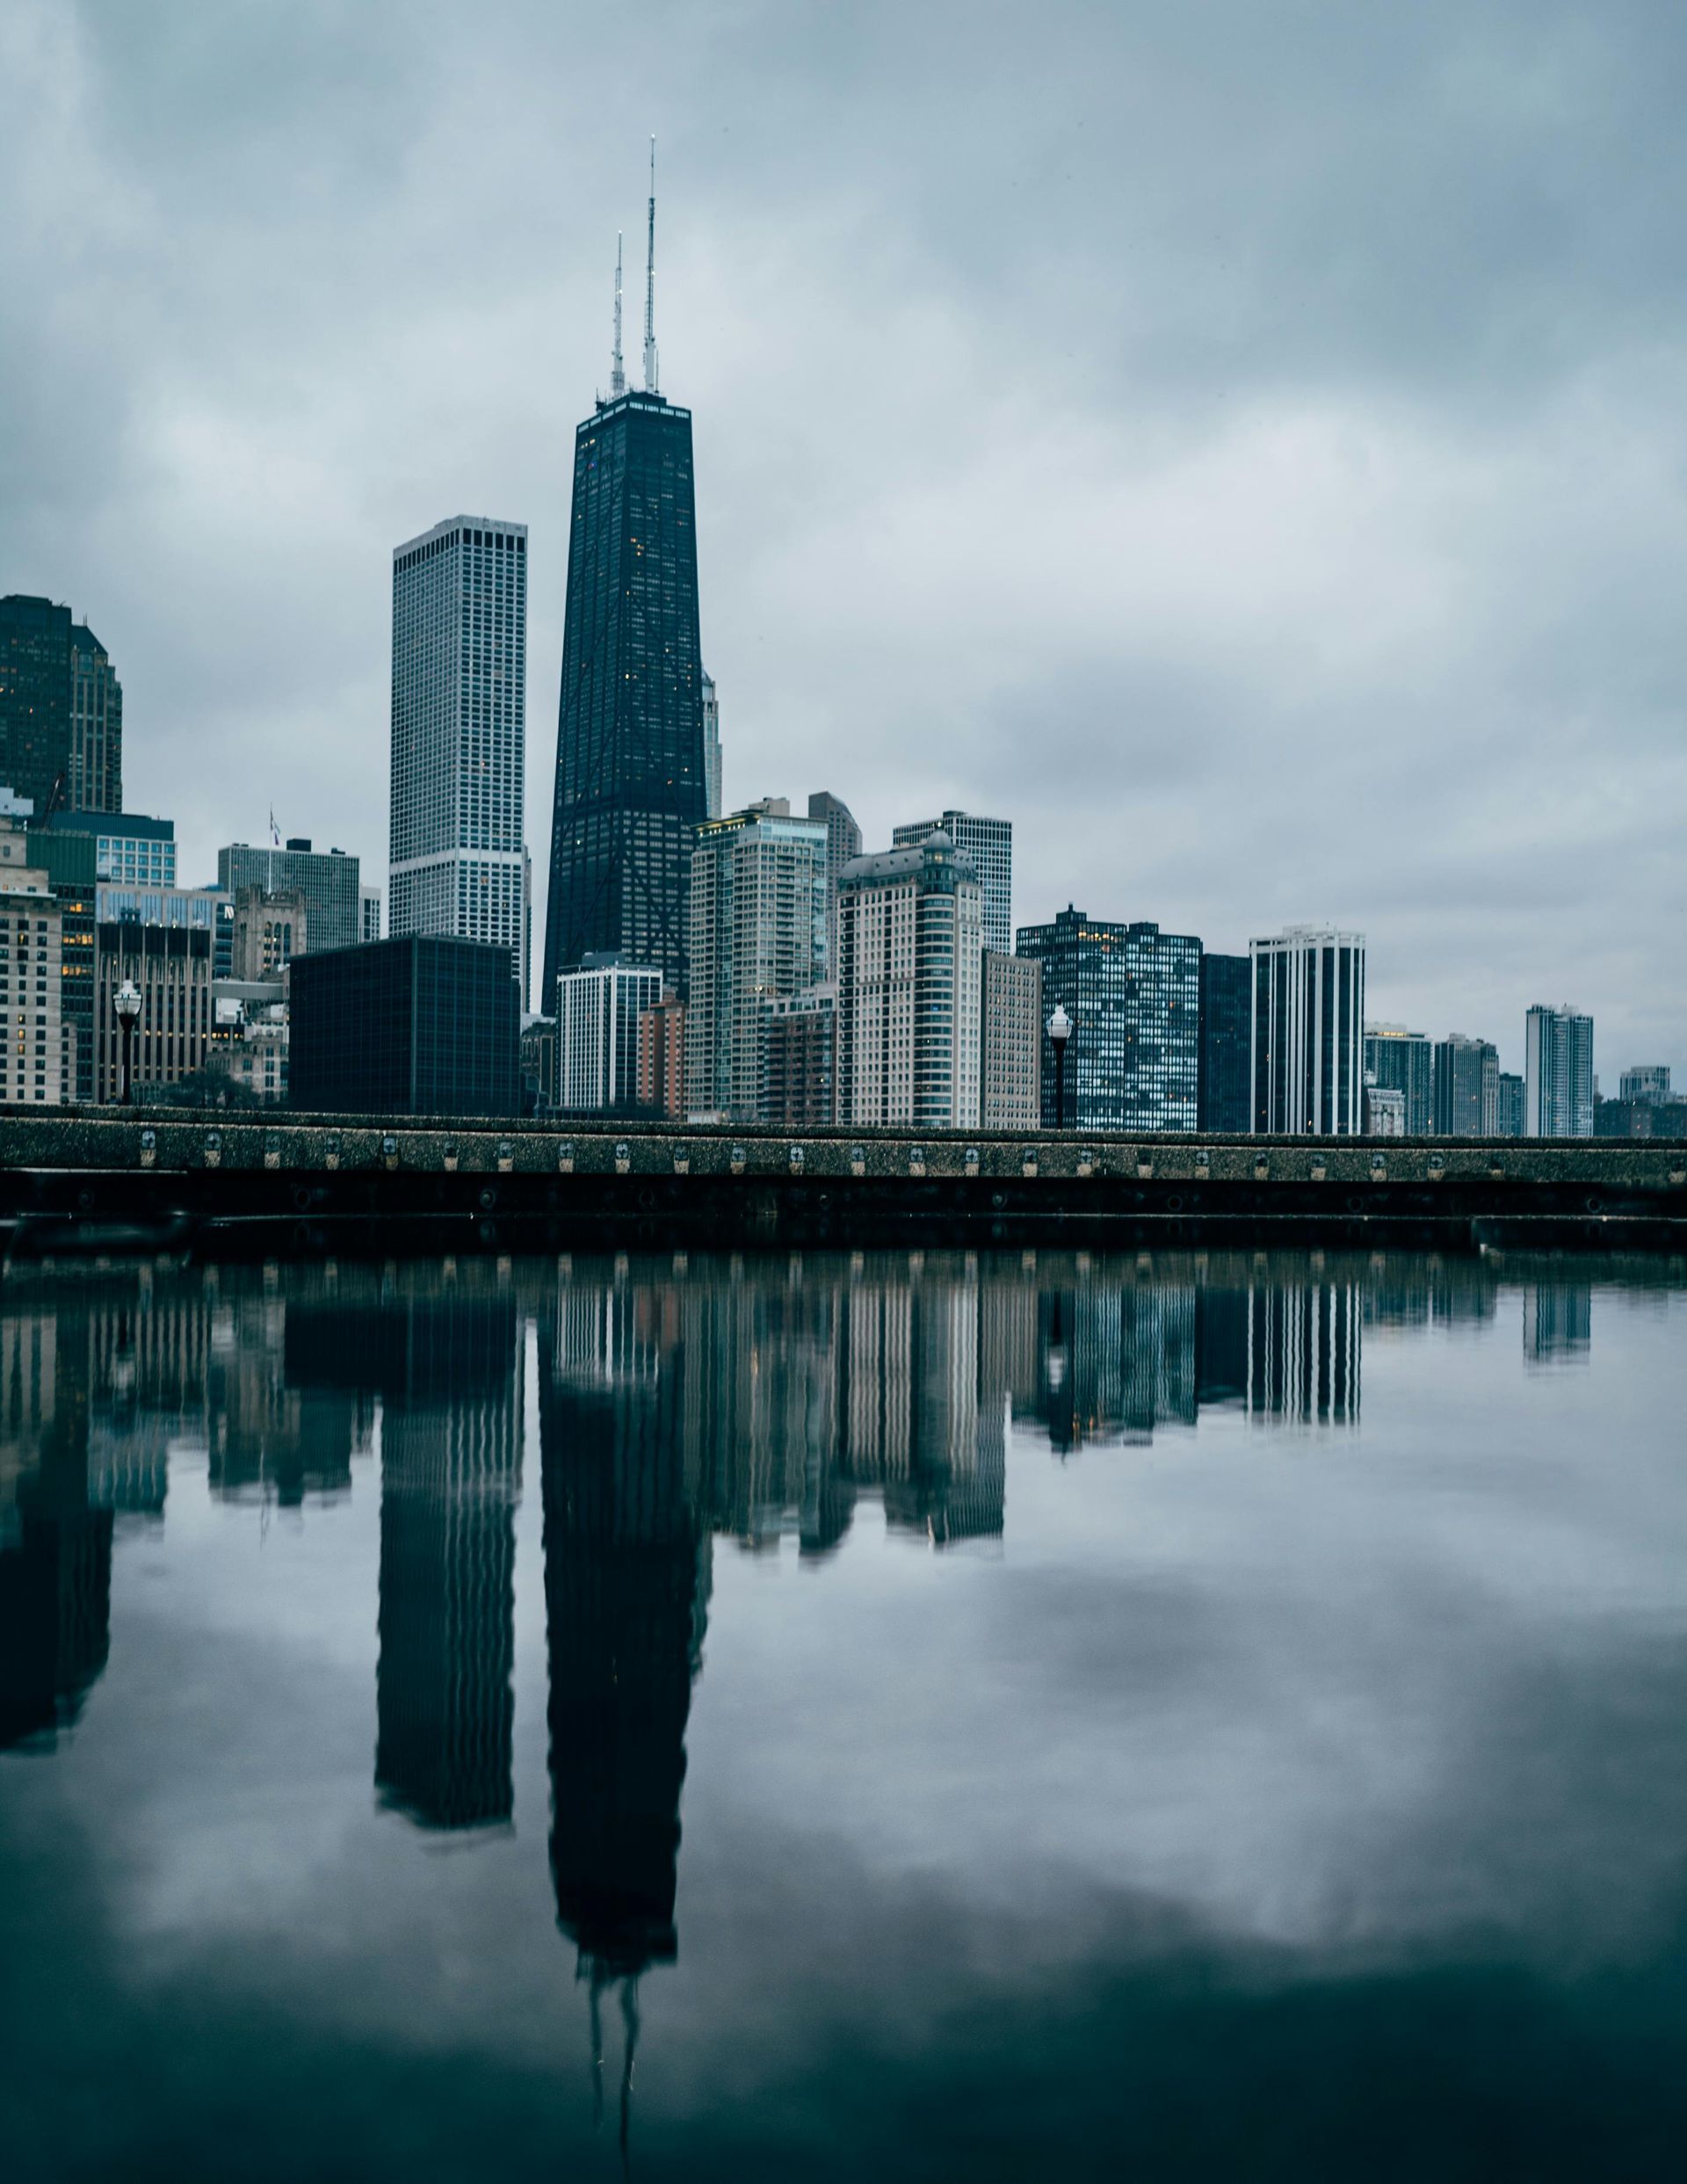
(269, 930)
(32, 1063)
(662, 1057)
(1012, 1043)
(910, 925)
(171, 967)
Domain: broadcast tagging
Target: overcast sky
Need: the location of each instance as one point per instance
(1243, 445)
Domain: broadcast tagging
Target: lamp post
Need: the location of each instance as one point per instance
(1059, 1030)
(126, 1003)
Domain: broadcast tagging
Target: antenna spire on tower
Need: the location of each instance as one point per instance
(650, 282)
(617, 375)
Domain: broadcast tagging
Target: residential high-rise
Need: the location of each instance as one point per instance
(1308, 1059)
(1404, 1061)
(31, 951)
(421, 1025)
(843, 842)
(368, 912)
(1011, 1042)
(1510, 1105)
(1648, 1086)
(1133, 994)
(96, 777)
(598, 1006)
(800, 1086)
(757, 931)
(1223, 1098)
(68, 861)
(711, 748)
(327, 880)
(632, 778)
(987, 845)
(1466, 1087)
(1558, 1073)
(35, 700)
(662, 1057)
(460, 732)
(909, 971)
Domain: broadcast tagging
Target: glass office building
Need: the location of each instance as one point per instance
(632, 776)
(1133, 994)
(328, 880)
(1308, 1042)
(459, 735)
(1558, 1073)
(426, 1025)
(34, 699)
(1398, 1060)
(1226, 1021)
(1466, 1087)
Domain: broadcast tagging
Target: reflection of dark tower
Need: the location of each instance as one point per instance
(626, 1563)
(55, 1551)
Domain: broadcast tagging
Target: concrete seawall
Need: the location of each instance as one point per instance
(110, 1180)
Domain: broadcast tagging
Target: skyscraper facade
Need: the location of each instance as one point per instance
(909, 971)
(842, 843)
(757, 931)
(1404, 1061)
(1558, 1073)
(33, 1062)
(1510, 1105)
(1648, 1086)
(988, 845)
(327, 880)
(459, 735)
(35, 700)
(1223, 1100)
(598, 1006)
(1466, 1087)
(632, 778)
(1012, 1043)
(1133, 994)
(96, 775)
(1308, 1057)
(712, 778)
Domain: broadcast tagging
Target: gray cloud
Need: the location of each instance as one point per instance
(1246, 449)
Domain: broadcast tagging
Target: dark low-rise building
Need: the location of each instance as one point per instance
(426, 1025)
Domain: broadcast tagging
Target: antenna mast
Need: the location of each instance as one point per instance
(617, 376)
(650, 282)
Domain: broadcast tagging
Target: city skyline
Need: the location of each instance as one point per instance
(1324, 444)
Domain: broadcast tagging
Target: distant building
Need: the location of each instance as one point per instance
(31, 950)
(662, 1057)
(757, 931)
(538, 1064)
(269, 930)
(426, 1025)
(130, 850)
(249, 1031)
(1011, 1042)
(988, 845)
(1404, 1061)
(368, 912)
(712, 747)
(35, 700)
(1647, 1086)
(206, 909)
(909, 972)
(459, 859)
(68, 861)
(1223, 1094)
(171, 966)
(842, 843)
(1466, 1087)
(1133, 994)
(801, 1085)
(597, 1009)
(1384, 1111)
(96, 778)
(1509, 1105)
(1558, 1073)
(1308, 1058)
(327, 880)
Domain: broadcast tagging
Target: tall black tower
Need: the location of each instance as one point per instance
(630, 774)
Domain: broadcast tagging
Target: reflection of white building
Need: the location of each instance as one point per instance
(1303, 1351)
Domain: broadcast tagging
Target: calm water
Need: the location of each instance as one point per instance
(1198, 1716)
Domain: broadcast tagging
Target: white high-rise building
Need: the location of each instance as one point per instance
(910, 976)
(597, 1010)
(1308, 1033)
(711, 746)
(460, 729)
(368, 914)
(988, 847)
(1557, 1073)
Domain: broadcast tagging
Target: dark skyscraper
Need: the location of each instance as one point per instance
(1133, 994)
(631, 775)
(34, 699)
(1226, 1030)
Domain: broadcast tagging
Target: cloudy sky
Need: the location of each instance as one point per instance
(1245, 446)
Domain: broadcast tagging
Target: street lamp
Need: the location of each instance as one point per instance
(127, 1002)
(1059, 1030)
